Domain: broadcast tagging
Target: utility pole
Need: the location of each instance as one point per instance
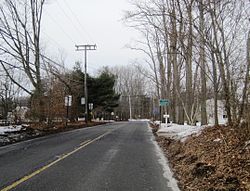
(85, 48)
(130, 107)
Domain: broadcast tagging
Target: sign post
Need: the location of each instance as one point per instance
(91, 106)
(163, 102)
(82, 101)
(68, 103)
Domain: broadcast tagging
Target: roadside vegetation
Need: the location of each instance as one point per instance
(215, 159)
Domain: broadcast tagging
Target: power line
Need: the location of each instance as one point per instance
(62, 29)
(78, 20)
(58, 44)
(68, 17)
(52, 18)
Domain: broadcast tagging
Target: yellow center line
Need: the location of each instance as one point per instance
(25, 178)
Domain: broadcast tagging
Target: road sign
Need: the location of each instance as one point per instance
(68, 100)
(166, 116)
(91, 105)
(83, 101)
(164, 102)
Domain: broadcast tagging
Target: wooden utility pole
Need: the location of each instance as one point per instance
(85, 48)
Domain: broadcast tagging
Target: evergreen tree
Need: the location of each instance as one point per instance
(102, 93)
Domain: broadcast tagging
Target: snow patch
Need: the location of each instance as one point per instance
(179, 132)
(10, 128)
(146, 120)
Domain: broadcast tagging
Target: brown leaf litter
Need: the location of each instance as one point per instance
(216, 160)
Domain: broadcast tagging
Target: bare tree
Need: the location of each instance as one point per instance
(246, 83)
(186, 67)
(203, 96)
(133, 87)
(20, 28)
(7, 96)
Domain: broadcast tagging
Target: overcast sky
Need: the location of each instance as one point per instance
(70, 22)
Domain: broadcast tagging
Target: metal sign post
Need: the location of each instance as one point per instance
(162, 103)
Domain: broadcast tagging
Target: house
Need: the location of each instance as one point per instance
(222, 115)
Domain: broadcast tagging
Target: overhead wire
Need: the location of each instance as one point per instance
(78, 20)
(62, 29)
(76, 26)
(50, 38)
(69, 18)
(47, 59)
(71, 22)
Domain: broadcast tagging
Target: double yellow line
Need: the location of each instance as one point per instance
(27, 177)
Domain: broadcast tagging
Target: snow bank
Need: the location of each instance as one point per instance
(178, 132)
(147, 120)
(157, 122)
(11, 128)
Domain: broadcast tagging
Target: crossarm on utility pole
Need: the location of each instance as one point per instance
(85, 48)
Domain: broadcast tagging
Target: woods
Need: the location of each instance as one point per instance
(195, 51)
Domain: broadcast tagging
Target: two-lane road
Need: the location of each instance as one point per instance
(118, 156)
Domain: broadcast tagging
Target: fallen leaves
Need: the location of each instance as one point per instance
(216, 160)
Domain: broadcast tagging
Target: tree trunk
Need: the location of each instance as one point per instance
(176, 76)
(244, 94)
(221, 64)
(189, 77)
(215, 86)
(203, 96)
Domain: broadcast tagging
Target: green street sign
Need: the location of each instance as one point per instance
(164, 102)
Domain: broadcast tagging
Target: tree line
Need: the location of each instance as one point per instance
(196, 50)
(26, 70)
(101, 94)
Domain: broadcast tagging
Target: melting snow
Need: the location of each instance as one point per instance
(11, 128)
(178, 132)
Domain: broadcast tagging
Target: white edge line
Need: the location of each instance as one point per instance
(167, 172)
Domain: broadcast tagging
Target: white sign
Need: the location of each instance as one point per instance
(91, 105)
(166, 116)
(68, 100)
(83, 101)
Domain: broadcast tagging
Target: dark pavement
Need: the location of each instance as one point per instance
(118, 156)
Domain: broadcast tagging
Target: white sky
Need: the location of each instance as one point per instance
(70, 22)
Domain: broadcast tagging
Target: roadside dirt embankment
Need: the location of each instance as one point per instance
(216, 159)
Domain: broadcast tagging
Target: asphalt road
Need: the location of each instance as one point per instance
(115, 157)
